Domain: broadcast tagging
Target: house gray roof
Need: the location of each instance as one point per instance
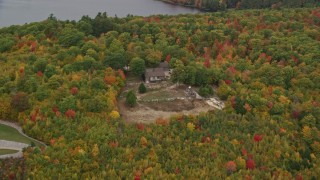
(159, 72)
(154, 72)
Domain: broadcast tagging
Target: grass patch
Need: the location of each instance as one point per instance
(7, 151)
(10, 134)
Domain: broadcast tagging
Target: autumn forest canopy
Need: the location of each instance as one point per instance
(60, 80)
(221, 5)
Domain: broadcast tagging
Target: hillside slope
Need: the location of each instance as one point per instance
(61, 79)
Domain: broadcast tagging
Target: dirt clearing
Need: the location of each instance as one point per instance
(161, 101)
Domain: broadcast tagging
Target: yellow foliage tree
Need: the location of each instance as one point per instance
(6, 112)
(241, 162)
(306, 132)
(95, 151)
(114, 115)
(190, 126)
(143, 141)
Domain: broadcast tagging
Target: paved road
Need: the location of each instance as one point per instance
(14, 145)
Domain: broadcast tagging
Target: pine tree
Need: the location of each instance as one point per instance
(142, 88)
(131, 99)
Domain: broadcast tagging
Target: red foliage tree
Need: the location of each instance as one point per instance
(232, 70)
(257, 137)
(206, 139)
(244, 152)
(74, 90)
(177, 171)
(299, 177)
(250, 164)
(228, 81)
(21, 70)
(55, 109)
(315, 103)
(296, 114)
(231, 166)
(296, 60)
(70, 114)
(114, 144)
(39, 74)
(270, 105)
(168, 58)
(33, 46)
(52, 141)
(219, 58)
(207, 63)
(233, 101)
(140, 126)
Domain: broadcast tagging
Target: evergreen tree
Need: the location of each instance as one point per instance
(142, 88)
(131, 99)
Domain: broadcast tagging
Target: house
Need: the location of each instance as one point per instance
(161, 73)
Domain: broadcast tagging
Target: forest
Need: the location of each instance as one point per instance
(221, 5)
(60, 81)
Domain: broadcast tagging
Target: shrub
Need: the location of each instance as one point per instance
(142, 88)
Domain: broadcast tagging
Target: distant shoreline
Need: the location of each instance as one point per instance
(184, 5)
(188, 6)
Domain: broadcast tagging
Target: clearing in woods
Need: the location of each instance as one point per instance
(162, 100)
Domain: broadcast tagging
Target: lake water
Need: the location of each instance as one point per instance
(25, 11)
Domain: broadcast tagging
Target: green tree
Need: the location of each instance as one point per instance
(85, 27)
(70, 37)
(116, 56)
(142, 88)
(40, 65)
(239, 106)
(131, 99)
(116, 60)
(50, 71)
(191, 75)
(205, 91)
(179, 73)
(6, 43)
(69, 102)
(224, 91)
(137, 66)
(101, 24)
(201, 77)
